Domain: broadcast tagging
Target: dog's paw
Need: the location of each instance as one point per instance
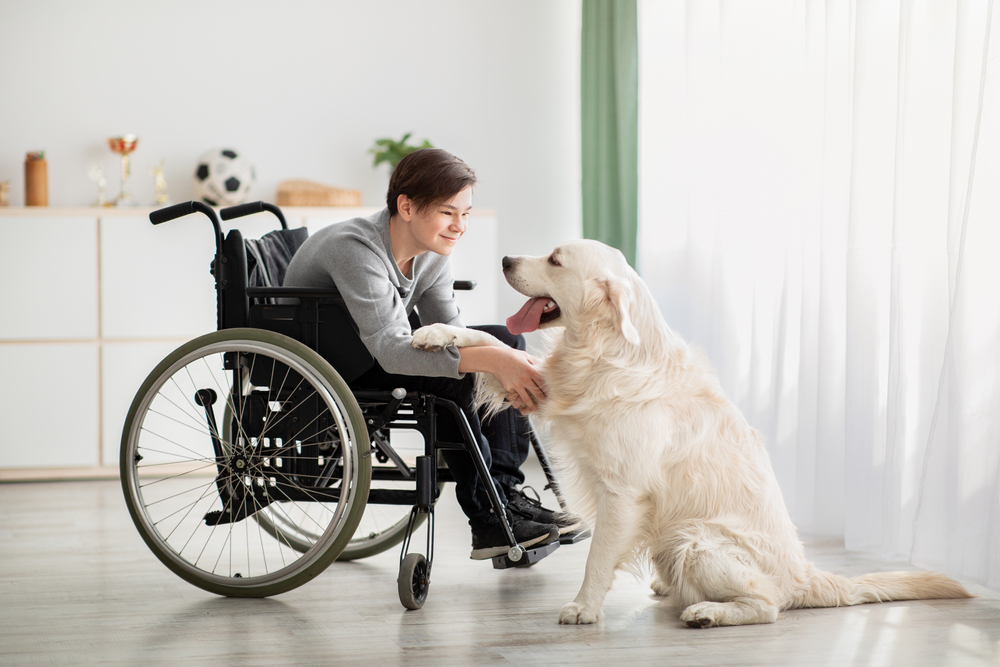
(433, 337)
(702, 615)
(575, 613)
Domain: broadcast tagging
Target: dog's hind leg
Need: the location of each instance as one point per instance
(660, 587)
(738, 611)
(715, 574)
(615, 530)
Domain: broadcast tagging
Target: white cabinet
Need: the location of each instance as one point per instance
(155, 281)
(49, 396)
(92, 299)
(48, 265)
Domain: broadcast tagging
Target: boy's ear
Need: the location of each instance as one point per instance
(405, 207)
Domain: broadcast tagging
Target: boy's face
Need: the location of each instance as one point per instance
(438, 228)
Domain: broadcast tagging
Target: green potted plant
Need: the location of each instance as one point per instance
(388, 150)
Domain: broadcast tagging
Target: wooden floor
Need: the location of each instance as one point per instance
(79, 587)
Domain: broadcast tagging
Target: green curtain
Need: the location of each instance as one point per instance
(609, 89)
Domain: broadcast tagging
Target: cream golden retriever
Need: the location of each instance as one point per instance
(660, 463)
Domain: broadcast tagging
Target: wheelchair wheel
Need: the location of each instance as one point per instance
(294, 445)
(412, 583)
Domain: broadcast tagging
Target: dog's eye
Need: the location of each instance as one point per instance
(553, 261)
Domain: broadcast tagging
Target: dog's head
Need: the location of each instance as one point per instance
(579, 283)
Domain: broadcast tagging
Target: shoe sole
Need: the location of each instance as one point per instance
(572, 528)
(492, 552)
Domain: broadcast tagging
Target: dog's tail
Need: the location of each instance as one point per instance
(832, 590)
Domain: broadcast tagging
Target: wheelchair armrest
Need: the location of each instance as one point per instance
(381, 396)
(321, 292)
(293, 292)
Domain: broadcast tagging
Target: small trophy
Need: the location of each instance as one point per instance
(96, 174)
(123, 146)
(162, 198)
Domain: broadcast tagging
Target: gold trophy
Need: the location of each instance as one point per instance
(96, 174)
(162, 198)
(123, 146)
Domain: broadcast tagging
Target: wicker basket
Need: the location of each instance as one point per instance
(307, 193)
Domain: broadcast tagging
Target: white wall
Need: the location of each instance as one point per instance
(302, 89)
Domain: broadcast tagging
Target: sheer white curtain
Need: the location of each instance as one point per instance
(820, 211)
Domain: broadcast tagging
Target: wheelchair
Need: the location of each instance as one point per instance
(249, 465)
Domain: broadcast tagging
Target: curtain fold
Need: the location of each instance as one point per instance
(609, 88)
(824, 223)
(956, 526)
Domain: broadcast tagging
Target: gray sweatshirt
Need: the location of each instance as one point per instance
(356, 257)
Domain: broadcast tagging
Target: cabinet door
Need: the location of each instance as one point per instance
(48, 278)
(49, 405)
(124, 367)
(155, 280)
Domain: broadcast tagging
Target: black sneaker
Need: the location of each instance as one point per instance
(490, 541)
(531, 508)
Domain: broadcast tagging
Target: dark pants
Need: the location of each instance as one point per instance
(503, 440)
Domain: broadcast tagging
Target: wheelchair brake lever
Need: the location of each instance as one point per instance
(375, 423)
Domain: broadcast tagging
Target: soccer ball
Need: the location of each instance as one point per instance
(223, 178)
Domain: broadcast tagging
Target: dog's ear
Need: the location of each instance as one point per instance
(612, 295)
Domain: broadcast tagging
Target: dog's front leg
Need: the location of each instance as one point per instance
(615, 528)
(434, 337)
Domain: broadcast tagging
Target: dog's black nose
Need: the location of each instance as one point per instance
(507, 263)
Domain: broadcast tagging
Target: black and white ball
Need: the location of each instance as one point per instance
(223, 177)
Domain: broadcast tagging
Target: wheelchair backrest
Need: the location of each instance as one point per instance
(268, 257)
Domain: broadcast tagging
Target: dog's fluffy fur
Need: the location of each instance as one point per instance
(660, 463)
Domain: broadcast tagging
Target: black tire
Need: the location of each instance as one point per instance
(413, 582)
(174, 474)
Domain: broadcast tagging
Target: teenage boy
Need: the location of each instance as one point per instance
(395, 263)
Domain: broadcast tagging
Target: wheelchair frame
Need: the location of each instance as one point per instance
(264, 456)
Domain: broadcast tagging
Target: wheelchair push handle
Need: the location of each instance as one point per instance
(161, 215)
(250, 208)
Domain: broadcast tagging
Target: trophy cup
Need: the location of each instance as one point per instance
(123, 146)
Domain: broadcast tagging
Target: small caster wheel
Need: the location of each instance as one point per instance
(412, 582)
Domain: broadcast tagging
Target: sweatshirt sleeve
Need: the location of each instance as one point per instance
(362, 278)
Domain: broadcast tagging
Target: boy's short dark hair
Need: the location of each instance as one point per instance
(428, 176)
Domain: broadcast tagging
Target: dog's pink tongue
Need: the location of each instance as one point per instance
(528, 318)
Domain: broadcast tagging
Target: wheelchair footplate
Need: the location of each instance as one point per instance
(528, 558)
(575, 536)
